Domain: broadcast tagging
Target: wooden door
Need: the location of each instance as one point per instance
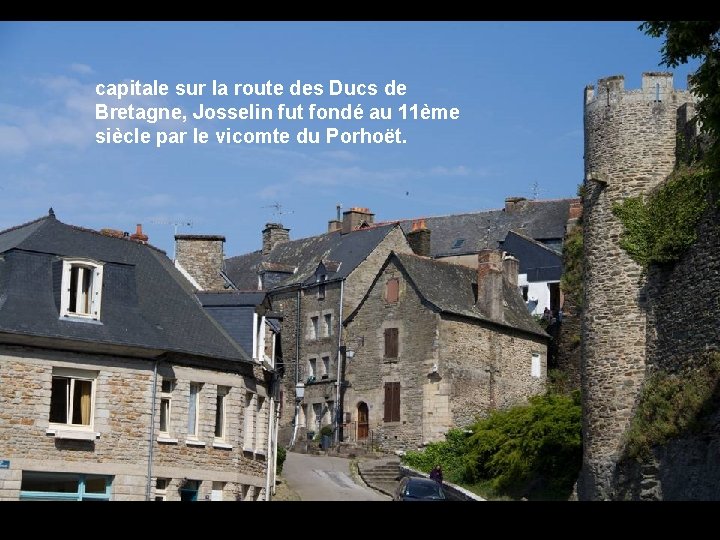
(363, 421)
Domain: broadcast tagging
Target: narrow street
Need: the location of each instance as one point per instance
(325, 478)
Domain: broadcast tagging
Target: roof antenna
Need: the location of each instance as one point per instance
(278, 209)
(175, 224)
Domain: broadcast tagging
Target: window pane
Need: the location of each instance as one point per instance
(84, 300)
(73, 289)
(166, 386)
(82, 400)
(220, 416)
(164, 414)
(192, 410)
(95, 484)
(54, 482)
(59, 400)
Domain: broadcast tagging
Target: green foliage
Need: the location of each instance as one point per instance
(281, 455)
(571, 281)
(671, 404)
(326, 430)
(661, 228)
(449, 454)
(506, 453)
(542, 439)
(696, 39)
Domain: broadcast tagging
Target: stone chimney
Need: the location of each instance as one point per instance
(138, 236)
(511, 266)
(355, 217)
(272, 235)
(514, 203)
(201, 257)
(490, 283)
(335, 224)
(419, 238)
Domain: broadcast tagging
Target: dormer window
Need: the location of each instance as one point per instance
(81, 289)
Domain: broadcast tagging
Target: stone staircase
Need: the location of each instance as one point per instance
(380, 474)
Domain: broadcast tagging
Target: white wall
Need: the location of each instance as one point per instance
(537, 290)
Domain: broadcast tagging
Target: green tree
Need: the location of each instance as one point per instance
(685, 40)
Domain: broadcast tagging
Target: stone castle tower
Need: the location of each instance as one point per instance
(630, 143)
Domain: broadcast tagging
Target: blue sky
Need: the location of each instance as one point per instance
(518, 86)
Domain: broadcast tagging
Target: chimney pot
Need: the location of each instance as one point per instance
(139, 236)
(419, 238)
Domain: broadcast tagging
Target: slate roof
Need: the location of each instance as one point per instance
(537, 260)
(449, 287)
(146, 302)
(342, 253)
(457, 234)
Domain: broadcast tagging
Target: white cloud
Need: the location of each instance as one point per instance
(83, 69)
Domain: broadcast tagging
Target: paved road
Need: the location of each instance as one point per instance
(325, 478)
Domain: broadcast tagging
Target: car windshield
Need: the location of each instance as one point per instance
(424, 490)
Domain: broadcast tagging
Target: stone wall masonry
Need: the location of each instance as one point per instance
(122, 413)
(684, 301)
(368, 370)
(488, 367)
(203, 258)
(630, 139)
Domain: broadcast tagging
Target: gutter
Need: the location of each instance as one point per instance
(148, 482)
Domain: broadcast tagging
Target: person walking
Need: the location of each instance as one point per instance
(436, 474)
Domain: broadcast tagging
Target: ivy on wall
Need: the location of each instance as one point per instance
(659, 228)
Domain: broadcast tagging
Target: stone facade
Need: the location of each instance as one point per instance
(630, 141)
(321, 393)
(202, 257)
(450, 369)
(121, 415)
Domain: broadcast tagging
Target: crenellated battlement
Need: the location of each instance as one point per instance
(656, 87)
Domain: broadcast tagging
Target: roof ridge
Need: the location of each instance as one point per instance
(533, 241)
(16, 227)
(124, 239)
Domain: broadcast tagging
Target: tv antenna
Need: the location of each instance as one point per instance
(278, 209)
(536, 190)
(175, 224)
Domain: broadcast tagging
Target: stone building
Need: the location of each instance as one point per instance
(436, 345)
(115, 384)
(630, 148)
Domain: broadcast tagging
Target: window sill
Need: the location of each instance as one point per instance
(222, 445)
(166, 440)
(191, 442)
(73, 434)
(75, 318)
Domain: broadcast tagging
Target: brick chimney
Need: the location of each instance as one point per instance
(138, 236)
(419, 238)
(511, 266)
(335, 224)
(490, 283)
(574, 214)
(513, 204)
(272, 235)
(202, 258)
(355, 217)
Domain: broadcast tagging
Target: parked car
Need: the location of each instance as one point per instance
(412, 488)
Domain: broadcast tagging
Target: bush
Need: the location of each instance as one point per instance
(326, 430)
(449, 454)
(542, 440)
(281, 455)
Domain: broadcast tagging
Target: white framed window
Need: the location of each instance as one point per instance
(312, 367)
(260, 426)
(535, 370)
(166, 388)
(194, 409)
(327, 324)
(72, 398)
(249, 422)
(314, 327)
(81, 289)
(161, 485)
(217, 491)
(220, 413)
(326, 367)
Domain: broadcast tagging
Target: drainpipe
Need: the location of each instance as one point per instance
(297, 366)
(339, 365)
(270, 455)
(275, 444)
(148, 486)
